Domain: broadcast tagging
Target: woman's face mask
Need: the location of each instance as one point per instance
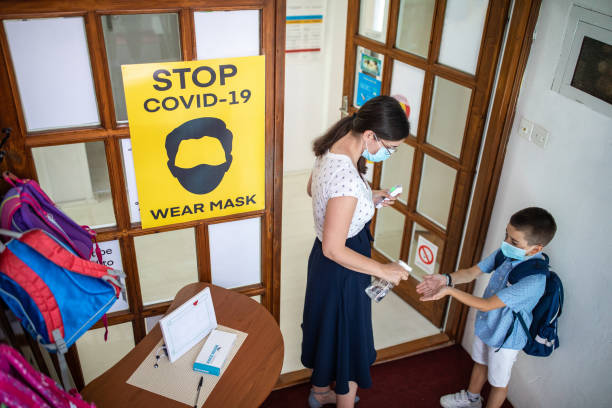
(383, 152)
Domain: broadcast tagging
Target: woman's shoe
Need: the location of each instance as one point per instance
(314, 403)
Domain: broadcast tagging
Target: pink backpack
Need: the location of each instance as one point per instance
(21, 386)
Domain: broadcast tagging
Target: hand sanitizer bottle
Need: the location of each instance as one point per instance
(379, 288)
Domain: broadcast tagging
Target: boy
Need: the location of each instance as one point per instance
(528, 231)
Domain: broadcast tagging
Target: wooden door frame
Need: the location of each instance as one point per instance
(522, 27)
(480, 85)
(505, 95)
(19, 147)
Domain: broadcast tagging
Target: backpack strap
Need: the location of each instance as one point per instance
(11, 178)
(533, 266)
(515, 316)
(499, 259)
(67, 381)
(508, 333)
(523, 325)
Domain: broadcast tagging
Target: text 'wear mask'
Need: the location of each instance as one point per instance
(203, 178)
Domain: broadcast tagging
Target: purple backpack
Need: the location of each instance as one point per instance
(21, 386)
(26, 207)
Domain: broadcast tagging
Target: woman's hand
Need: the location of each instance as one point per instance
(379, 196)
(431, 284)
(393, 273)
(439, 294)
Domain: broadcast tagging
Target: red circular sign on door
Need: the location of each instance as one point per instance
(426, 255)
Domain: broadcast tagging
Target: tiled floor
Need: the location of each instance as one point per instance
(394, 321)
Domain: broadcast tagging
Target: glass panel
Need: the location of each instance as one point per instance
(397, 169)
(297, 239)
(373, 16)
(137, 39)
(256, 298)
(228, 239)
(449, 111)
(150, 322)
(462, 33)
(407, 82)
(394, 322)
(425, 253)
(436, 192)
(368, 76)
(87, 197)
(111, 256)
(130, 179)
(593, 69)
(97, 355)
(167, 261)
(389, 232)
(225, 34)
(51, 63)
(414, 26)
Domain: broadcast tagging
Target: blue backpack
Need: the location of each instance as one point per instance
(55, 294)
(542, 336)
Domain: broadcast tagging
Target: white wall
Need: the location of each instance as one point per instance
(313, 90)
(570, 178)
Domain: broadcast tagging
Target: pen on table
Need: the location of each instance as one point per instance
(195, 405)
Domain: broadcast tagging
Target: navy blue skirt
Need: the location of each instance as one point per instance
(337, 341)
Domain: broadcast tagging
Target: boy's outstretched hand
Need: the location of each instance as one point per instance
(431, 284)
(439, 294)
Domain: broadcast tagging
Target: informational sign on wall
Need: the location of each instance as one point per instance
(198, 137)
(111, 257)
(369, 76)
(304, 31)
(426, 254)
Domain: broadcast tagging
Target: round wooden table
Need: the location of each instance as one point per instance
(248, 379)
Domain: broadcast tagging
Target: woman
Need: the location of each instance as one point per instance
(337, 323)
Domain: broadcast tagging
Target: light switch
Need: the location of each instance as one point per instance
(525, 128)
(539, 136)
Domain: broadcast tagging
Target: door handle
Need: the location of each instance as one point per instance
(344, 108)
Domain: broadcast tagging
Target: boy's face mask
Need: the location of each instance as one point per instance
(512, 252)
(515, 252)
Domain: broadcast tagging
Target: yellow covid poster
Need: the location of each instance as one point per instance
(198, 137)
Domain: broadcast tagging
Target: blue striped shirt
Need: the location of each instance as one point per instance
(521, 297)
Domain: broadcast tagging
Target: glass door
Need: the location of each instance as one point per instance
(439, 58)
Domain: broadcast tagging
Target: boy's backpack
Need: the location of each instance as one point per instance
(26, 207)
(55, 294)
(542, 336)
(21, 386)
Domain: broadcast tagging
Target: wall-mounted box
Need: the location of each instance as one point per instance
(584, 71)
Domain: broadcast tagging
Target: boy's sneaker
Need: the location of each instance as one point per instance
(459, 400)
